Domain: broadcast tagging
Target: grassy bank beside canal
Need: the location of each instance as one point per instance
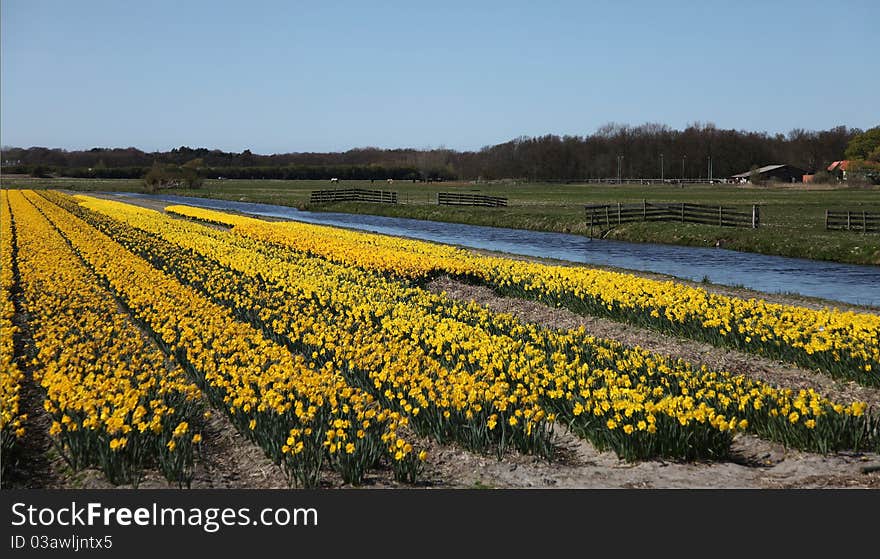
(792, 218)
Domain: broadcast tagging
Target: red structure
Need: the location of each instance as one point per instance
(838, 169)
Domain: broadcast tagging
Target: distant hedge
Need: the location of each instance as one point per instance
(299, 172)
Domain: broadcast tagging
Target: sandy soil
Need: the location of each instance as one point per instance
(229, 460)
(698, 353)
(753, 464)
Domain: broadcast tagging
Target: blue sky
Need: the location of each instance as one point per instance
(274, 76)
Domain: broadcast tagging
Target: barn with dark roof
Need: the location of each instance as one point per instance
(779, 172)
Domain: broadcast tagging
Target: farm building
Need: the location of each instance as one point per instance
(782, 173)
(838, 169)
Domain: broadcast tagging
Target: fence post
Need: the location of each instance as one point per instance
(720, 216)
(848, 220)
(644, 209)
(682, 212)
(607, 219)
(755, 216)
(618, 213)
(864, 223)
(826, 219)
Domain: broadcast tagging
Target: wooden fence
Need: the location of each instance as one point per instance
(609, 215)
(461, 199)
(352, 195)
(866, 222)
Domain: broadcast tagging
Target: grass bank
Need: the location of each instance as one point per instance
(792, 218)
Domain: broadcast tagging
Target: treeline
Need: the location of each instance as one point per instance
(342, 172)
(292, 172)
(645, 151)
(652, 150)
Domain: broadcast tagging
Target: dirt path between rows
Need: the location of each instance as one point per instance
(720, 359)
(230, 460)
(753, 464)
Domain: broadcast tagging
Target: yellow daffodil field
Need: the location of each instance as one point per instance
(840, 343)
(12, 418)
(323, 347)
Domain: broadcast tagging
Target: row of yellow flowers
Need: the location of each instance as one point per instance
(302, 415)
(11, 417)
(114, 402)
(846, 344)
(444, 401)
(464, 371)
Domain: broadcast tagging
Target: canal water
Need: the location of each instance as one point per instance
(772, 274)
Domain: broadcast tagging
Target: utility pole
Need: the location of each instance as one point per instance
(661, 167)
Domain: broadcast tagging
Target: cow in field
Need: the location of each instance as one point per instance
(334, 180)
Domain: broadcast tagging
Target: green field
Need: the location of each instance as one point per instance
(792, 219)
